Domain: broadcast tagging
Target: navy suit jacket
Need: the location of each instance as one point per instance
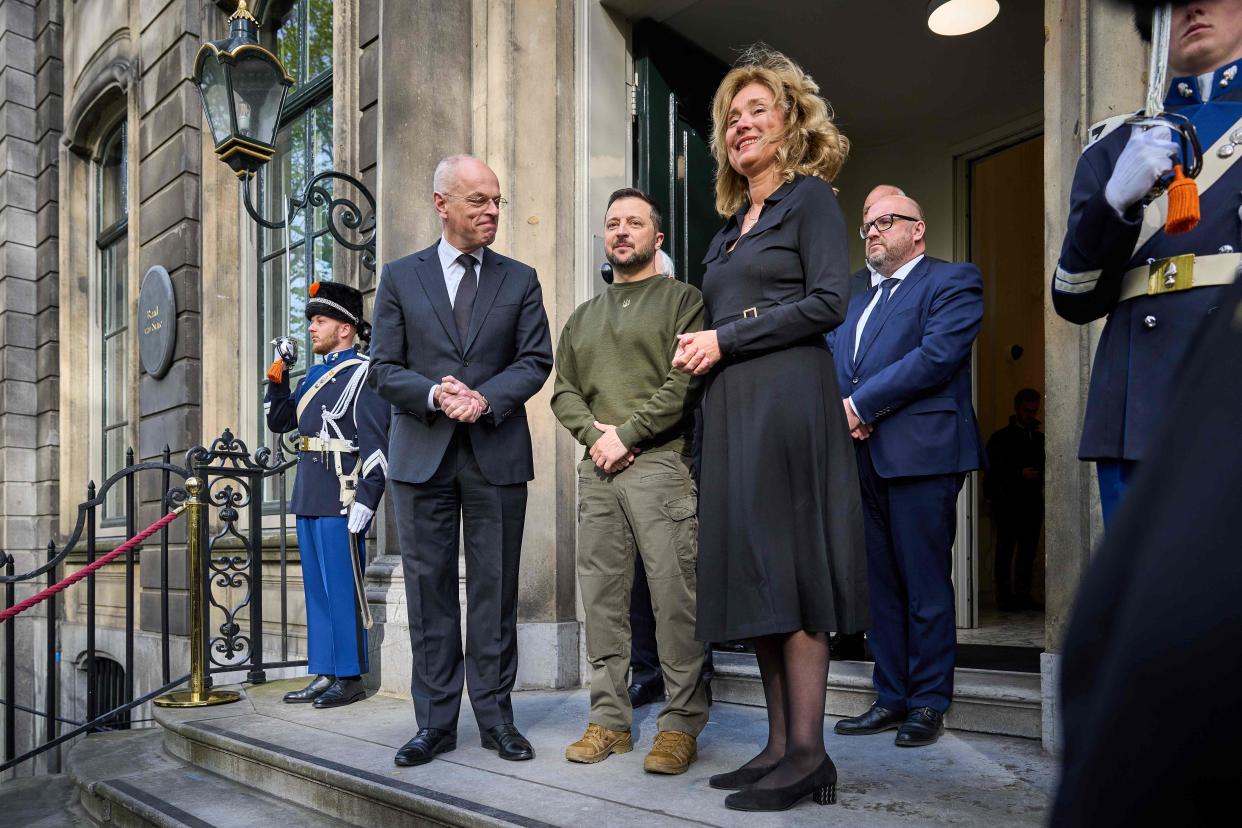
(506, 357)
(911, 375)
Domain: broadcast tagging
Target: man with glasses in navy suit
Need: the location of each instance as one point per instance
(903, 357)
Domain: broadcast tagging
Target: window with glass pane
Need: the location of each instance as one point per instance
(290, 259)
(112, 267)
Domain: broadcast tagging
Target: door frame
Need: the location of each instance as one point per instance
(966, 543)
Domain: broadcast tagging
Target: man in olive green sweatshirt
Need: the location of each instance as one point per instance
(617, 393)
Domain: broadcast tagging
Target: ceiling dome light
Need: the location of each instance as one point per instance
(959, 17)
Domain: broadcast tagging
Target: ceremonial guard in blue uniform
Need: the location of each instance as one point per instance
(1156, 288)
(342, 464)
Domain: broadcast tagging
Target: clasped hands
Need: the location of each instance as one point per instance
(458, 401)
(697, 353)
(608, 453)
(858, 429)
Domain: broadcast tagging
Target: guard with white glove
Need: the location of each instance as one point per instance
(359, 517)
(341, 428)
(1148, 156)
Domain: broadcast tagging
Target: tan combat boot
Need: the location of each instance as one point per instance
(672, 752)
(598, 743)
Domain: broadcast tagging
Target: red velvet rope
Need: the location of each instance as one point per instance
(22, 606)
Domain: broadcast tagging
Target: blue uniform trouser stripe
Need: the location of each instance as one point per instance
(1114, 478)
(336, 643)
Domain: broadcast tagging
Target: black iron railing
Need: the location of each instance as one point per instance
(232, 480)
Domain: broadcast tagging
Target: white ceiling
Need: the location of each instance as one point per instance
(876, 61)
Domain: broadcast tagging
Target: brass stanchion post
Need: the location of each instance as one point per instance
(199, 695)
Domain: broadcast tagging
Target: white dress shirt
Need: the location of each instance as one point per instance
(453, 273)
(900, 274)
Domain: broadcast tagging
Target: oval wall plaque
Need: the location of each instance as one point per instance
(157, 322)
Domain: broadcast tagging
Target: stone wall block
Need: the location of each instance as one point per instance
(17, 85)
(175, 248)
(179, 110)
(179, 155)
(18, 155)
(20, 430)
(17, 259)
(189, 336)
(49, 80)
(178, 428)
(17, 190)
(17, 295)
(182, 382)
(17, 120)
(16, 49)
(17, 225)
(48, 44)
(170, 71)
(17, 17)
(170, 206)
(16, 328)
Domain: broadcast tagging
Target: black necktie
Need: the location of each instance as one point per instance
(464, 303)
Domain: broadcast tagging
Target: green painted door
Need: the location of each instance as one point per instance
(676, 81)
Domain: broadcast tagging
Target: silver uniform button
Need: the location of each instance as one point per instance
(1226, 150)
(1225, 248)
(1149, 321)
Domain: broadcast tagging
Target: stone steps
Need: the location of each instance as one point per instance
(984, 701)
(127, 779)
(338, 764)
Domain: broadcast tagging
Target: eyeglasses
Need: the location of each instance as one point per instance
(479, 201)
(883, 223)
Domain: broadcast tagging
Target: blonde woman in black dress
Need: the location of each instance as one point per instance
(781, 554)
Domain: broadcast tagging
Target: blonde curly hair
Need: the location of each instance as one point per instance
(810, 143)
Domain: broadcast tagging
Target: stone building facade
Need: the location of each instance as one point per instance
(107, 170)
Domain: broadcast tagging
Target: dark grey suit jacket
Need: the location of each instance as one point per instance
(507, 357)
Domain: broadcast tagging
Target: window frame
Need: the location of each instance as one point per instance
(105, 240)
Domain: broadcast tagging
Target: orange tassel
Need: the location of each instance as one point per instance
(1183, 203)
(276, 373)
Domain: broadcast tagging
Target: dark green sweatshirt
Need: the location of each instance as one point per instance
(614, 364)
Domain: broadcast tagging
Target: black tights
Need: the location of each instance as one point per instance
(794, 667)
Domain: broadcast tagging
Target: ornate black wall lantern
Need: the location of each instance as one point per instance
(243, 86)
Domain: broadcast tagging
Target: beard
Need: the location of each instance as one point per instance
(637, 260)
(888, 258)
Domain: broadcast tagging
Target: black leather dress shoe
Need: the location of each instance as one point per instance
(341, 693)
(922, 727)
(508, 742)
(425, 746)
(311, 691)
(645, 692)
(876, 720)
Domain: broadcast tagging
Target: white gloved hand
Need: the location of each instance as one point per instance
(359, 517)
(1147, 155)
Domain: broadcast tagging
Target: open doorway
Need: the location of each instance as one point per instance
(1005, 186)
(913, 105)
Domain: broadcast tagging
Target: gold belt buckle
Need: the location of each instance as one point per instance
(750, 312)
(1172, 274)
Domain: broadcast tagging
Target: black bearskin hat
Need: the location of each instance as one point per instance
(338, 301)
